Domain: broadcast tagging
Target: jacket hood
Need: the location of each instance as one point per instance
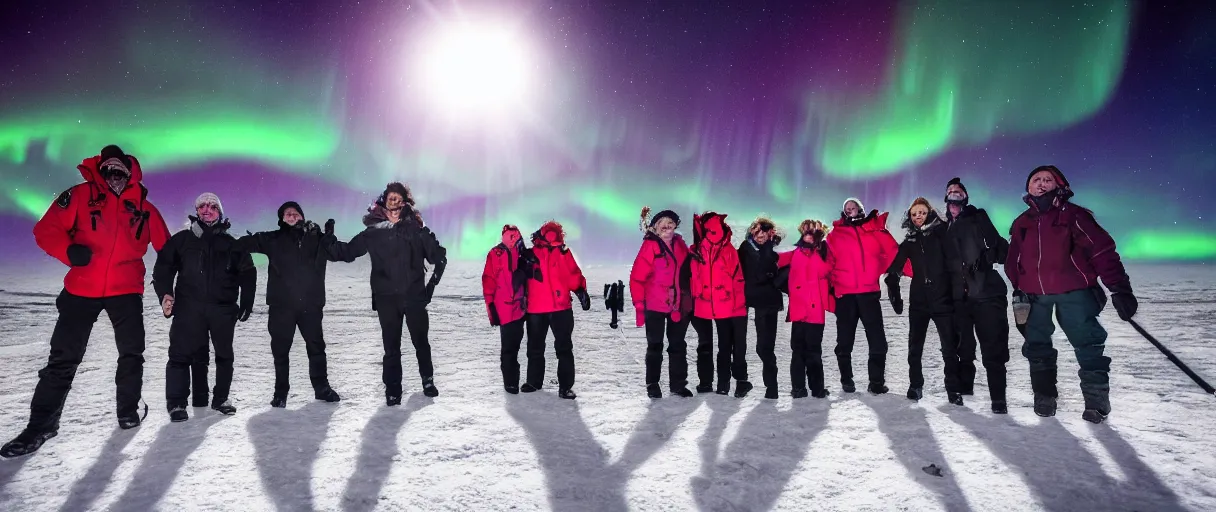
(701, 221)
(90, 170)
(933, 219)
(550, 234)
(869, 221)
(511, 237)
(1061, 194)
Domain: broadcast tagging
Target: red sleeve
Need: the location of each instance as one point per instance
(1011, 257)
(157, 228)
(488, 282)
(784, 259)
(890, 248)
(908, 268)
(639, 275)
(1099, 248)
(577, 281)
(51, 231)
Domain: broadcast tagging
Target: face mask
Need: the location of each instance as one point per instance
(1045, 201)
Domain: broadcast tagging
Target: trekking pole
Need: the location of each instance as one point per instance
(614, 300)
(1182, 366)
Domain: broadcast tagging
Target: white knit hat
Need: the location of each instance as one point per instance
(860, 206)
(209, 198)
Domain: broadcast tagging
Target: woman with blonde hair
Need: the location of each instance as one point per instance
(662, 301)
(804, 276)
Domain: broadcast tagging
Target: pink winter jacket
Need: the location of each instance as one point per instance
(810, 298)
(497, 285)
(654, 280)
(859, 254)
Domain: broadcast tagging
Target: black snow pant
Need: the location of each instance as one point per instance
(986, 320)
(918, 328)
(1077, 312)
(512, 335)
(732, 350)
(282, 326)
(562, 323)
(806, 360)
(394, 314)
(193, 324)
(865, 307)
(766, 345)
(76, 318)
(658, 324)
(199, 390)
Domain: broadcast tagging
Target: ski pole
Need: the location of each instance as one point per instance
(1182, 366)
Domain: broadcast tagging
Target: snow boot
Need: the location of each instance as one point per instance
(511, 388)
(528, 388)
(704, 388)
(328, 394)
(770, 393)
(878, 389)
(225, 408)
(1044, 405)
(915, 394)
(567, 394)
(428, 387)
(392, 400)
(178, 414)
(742, 388)
(653, 391)
(848, 386)
(681, 392)
(27, 442)
(133, 419)
(799, 393)
(820, 393)
(279, 401)
(1000, 407)
(955, 398)
(1093, 416)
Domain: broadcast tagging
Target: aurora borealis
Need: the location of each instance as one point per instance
(782, 108)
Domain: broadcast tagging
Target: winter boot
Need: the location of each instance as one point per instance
(653, 391)
(878, 389)
(428, 387)
(1093, 416)
(528, 388)
(955, 398)
(27, 442)
(799, 393)
(129, 421)
(847, 386)
(511, 389)
(278, 401)
(1044, 405)
(328, 394)
(225, 408)
(820, 393)
(704, 388)
(681, 392)
(915, 394)
(999, 407)
(742, 388)
(178, 414)
(392, 400)
(566, 394)
(770, 393)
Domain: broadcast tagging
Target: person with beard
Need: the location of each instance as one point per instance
(804, 276)
(101, 230)
(758, 258)
(719, 300)
(399, 243)
(295, 293)
(982, 311)
(861, 249)
(553, 274)
(936, 280)
(662, 301)
(1057, 253)
(212, 273)
(503, 283)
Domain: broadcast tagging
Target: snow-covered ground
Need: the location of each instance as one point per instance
(476, 448)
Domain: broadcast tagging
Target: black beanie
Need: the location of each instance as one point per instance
(958, 182)
(290, 204)
(665, 213)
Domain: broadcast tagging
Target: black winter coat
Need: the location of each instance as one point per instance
(398, 252)
(759, 264)
(979, 246)
(298, 257)
(937, 276)
(208, 266)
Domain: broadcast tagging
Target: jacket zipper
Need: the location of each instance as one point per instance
(1038, 266)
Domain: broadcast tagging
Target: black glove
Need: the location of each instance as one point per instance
(246, 310)
(329, 227)
(494, 320)
(79, 255)
(584, 300)
(1125, 304)
(1020, 296)
(311, 227)
(897, 303)
(531, 265)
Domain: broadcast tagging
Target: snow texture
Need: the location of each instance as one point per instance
(476, 448)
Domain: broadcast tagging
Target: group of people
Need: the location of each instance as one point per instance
(205, 280)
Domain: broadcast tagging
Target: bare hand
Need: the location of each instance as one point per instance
(166, 306)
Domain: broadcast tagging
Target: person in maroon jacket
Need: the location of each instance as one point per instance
(503, 285)
(662, 300)
(1057, 252)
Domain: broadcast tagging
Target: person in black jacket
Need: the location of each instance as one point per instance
(211, 275)
(399, 242)
(936, 281)
(983, 311)
(758, 257)
(295, 293)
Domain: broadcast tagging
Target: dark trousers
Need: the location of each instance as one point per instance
(193, 324)
(806, 360)
(987, 321)
(865, 307)
(394, 314)
(918, 328)
(1077, 313)
(282, 325)
(562, 323)
(658, 324)
(732, 350)
(76, 318)
(766, 345)
(512, 335)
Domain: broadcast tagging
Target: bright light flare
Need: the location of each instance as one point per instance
(474, 68)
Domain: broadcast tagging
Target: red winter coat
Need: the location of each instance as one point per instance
(654, 280)
(717, 278)
(498, 286)
(860, 254)
(559, 273)
(810, 298)
(117, 230)
(1061, 250)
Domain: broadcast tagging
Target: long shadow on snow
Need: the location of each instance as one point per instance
(914, 442)
(86, 489)
(9, 469)
(577, 473)
(721, 409)
(165, 457)
(286, 445)
(1048, 456)
(377, 453)
(762, 458)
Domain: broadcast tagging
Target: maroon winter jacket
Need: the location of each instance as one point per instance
(1062, 249)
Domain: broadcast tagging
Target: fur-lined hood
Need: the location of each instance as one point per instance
(764, 222)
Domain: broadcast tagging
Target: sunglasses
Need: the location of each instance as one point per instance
(209, 206)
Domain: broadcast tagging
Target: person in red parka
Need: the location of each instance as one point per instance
(861, 249)
(553, 276)
(101, 230)
(719, 300)
(803, 274)
(662, 301)
(503, 284)
(1057, 252)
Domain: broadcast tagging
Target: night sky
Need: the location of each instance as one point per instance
(748, 107)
